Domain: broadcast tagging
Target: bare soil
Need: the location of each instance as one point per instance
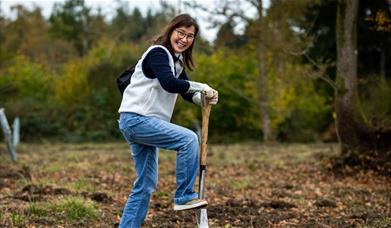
(247, 185)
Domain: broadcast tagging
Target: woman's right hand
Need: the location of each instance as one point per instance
(212, 96)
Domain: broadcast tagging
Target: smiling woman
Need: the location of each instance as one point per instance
(178, 37)
(182, 38)
(145, 113)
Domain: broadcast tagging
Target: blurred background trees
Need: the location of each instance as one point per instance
(58, 73)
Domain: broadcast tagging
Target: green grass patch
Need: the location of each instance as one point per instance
(163, 194)
(35, 210)
(381, 221)
(16, 219)
(54, 168)
(47, 181)
(74, 208)
(81, 184)
(64, 210)
(23, 182)
(239, 184)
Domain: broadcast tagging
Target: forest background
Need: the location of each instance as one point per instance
(58, 73)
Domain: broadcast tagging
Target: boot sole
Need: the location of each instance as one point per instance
(189, 207)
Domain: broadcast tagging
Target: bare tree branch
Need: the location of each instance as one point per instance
(321, 67)
(322, 71)
(228, 9)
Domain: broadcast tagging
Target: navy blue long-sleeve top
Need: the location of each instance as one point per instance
(156, 65)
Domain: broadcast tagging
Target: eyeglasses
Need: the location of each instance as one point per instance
(182, 34)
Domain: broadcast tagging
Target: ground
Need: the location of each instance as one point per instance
(247, 185)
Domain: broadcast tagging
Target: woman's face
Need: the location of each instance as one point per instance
(182, 38)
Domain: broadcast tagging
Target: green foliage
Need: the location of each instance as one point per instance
(72, 22)
(129, 27)
(25, 90)
(83, 105)
(60, 79)
(302, 112)
(376, 101)
(77, 103)
(297, 111)
(236, 114)
(28, 35)
(87, 93)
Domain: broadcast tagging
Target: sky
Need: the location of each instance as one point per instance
(108, 9)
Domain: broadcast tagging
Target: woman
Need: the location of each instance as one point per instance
(145, 114)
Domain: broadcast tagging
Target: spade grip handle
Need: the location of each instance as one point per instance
(206, 107)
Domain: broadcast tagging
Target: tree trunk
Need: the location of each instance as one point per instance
(349, 118)
(262, 79)
(361, 143)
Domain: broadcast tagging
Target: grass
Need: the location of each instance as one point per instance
(69, 209)
(381, 221)
(74, 208)
(36, 210)
(53, 168)
(163, 194)
(82, 184)
(16, 219)
(239, 184)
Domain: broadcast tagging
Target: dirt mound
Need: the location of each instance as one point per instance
(324, 202)
(7, 172)
(10, 175)
(278, 204)
(34, 192)
(100, 197)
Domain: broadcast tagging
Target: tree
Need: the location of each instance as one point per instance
(74, 22)
(230, 11)
(349, 120)
(226, 37)
(372, 45)
(262, 80)
(359, 139)
(271, 34)
(28, 35)
(4, 54)
(128, 26)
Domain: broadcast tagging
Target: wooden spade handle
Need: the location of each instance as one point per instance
(204, 130)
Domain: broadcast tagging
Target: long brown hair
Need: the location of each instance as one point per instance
(164, 38)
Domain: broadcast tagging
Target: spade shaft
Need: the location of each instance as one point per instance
(202, 217)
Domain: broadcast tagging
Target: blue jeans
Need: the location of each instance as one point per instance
(144, 135)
